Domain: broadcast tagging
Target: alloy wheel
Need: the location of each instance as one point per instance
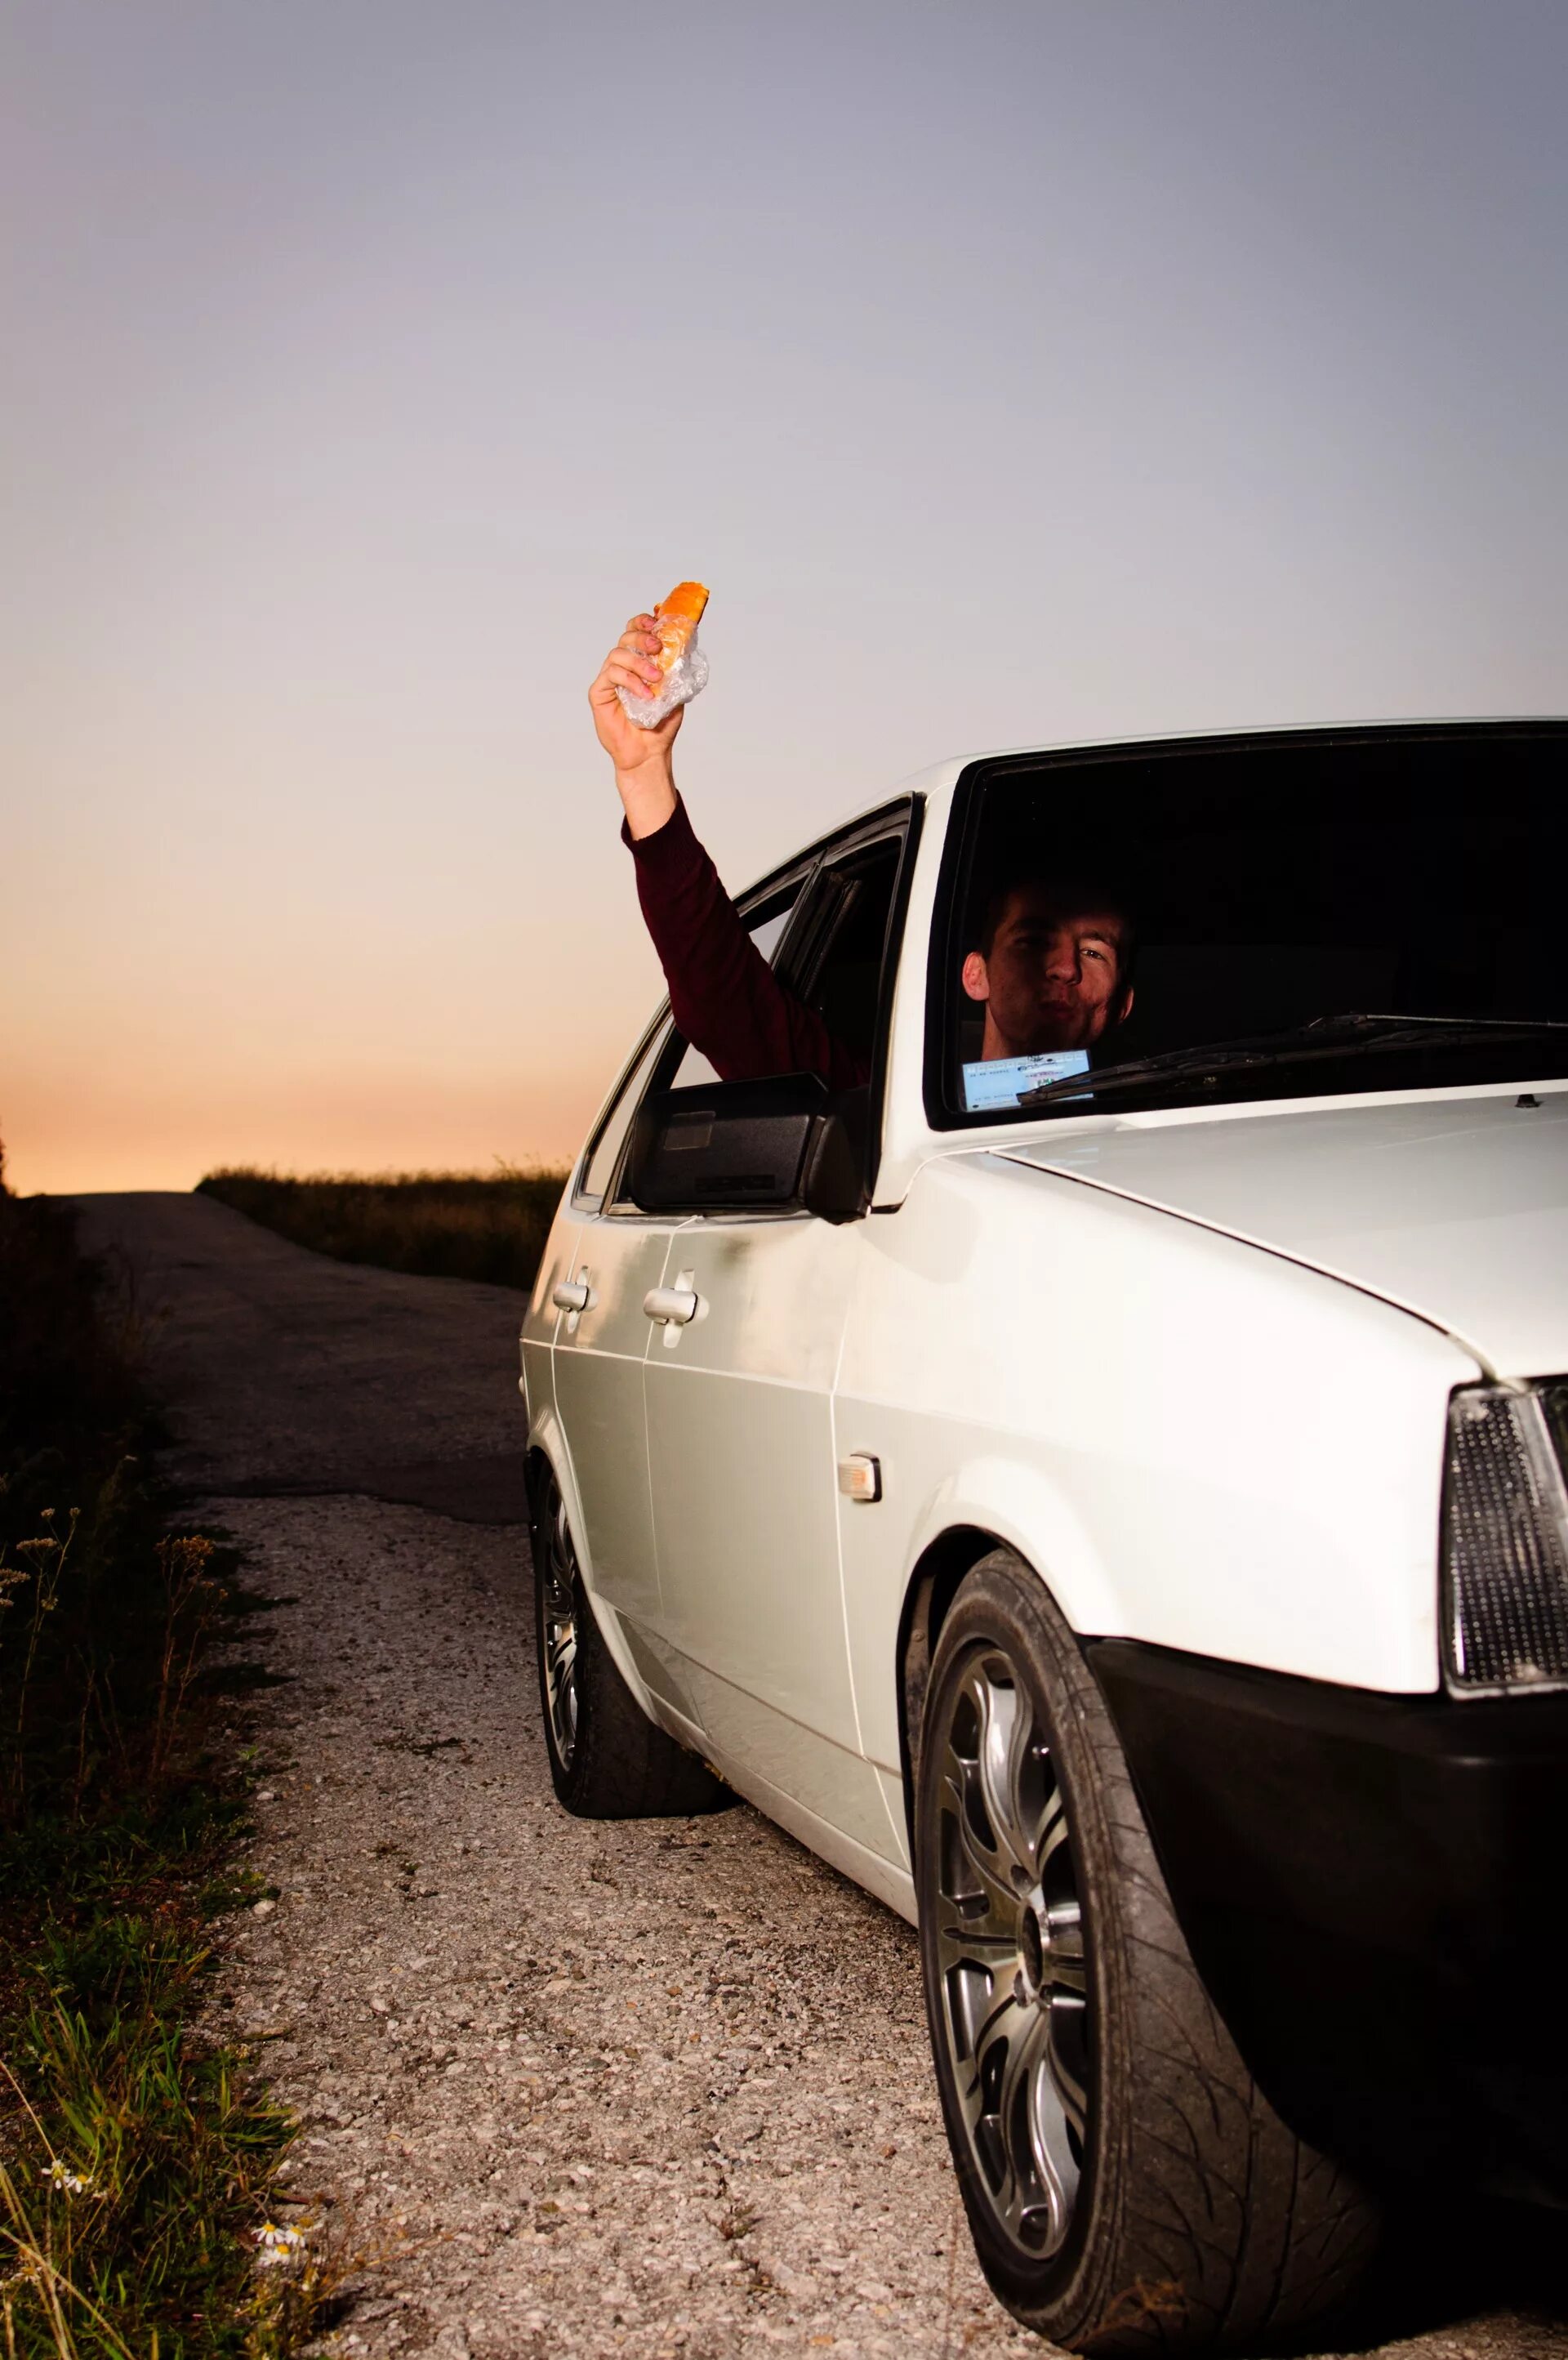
(558, 1624)
(1010, 1952)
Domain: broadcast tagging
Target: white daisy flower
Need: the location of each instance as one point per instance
(278, 2245)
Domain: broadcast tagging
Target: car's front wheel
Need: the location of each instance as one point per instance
(607, 1760)
(1128, 2185)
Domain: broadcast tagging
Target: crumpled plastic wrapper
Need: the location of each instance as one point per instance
(687, 678)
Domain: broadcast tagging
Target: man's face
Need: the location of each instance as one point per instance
(1052, 978)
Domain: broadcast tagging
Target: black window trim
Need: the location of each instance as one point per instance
(902, 817)
(590, 1207)
(801, 870)
(963, 834)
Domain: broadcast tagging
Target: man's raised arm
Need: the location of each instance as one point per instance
(725, 997)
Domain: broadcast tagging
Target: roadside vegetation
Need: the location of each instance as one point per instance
(135, 2155)
(434, 1224)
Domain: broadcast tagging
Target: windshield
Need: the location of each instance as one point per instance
(1264, 918)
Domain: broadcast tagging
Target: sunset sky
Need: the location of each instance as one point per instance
(1011, 372)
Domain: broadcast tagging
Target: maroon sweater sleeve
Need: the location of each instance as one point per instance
(725, 997)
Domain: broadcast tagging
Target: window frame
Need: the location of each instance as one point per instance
(580, 1202)
(956, 876)
(753, 905)
(899, 819)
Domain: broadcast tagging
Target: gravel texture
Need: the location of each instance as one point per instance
(652, 2086)
(566, 2088)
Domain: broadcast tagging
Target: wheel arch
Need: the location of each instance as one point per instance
(931, 1590)
(548, 1454)
(536, 1464)
(992, 1503)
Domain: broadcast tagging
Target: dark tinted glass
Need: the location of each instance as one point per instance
(842, 965)
(1262, 886)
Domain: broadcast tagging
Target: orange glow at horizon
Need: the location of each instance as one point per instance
(62, 1145)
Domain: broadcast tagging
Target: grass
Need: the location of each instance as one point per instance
(434, 1224)
(136, 2156)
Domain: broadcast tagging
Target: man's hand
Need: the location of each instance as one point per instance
(641, 757)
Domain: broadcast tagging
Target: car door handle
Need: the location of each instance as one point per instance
(572, 1294)
(670, 1305)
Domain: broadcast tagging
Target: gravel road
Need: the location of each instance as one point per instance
(656, 2088)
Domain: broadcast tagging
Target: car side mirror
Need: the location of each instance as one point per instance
(834, 1183)
(778, 1145)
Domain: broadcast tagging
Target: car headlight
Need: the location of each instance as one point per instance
(1505, 1538)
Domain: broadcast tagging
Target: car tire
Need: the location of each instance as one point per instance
(1128, 2187)
(607, 1760)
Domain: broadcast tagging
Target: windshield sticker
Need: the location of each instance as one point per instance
(1002, 1081)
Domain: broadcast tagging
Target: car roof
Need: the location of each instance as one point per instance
(947, 772)
(1416, 724)
(940, 778)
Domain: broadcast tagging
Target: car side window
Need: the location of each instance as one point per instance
(829, 926)
(834, 958)
(828, 929)
(766, 924)
(837, 957)
(605, 1154)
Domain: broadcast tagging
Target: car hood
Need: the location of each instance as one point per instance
(1455, 1208)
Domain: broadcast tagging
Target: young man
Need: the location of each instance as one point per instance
(1050, 965)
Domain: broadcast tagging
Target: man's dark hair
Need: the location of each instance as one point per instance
(1074, 889)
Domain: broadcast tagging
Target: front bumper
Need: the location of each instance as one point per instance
(1375, 1890)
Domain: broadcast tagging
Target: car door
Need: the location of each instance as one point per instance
(605, 1330)
(740, 1425)
(600, 1338)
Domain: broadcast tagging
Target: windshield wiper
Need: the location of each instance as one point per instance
(1323, 1036)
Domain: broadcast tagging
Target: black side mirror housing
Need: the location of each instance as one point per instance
(778, 1146)
(833, 1183)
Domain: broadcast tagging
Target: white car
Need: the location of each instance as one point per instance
(1125, 1528)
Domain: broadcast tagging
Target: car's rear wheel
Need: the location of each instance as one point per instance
(1128, 2185)
(607, 1760)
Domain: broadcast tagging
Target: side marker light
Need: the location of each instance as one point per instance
(860, 1476)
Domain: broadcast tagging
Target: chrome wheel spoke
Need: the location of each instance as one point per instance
(1033, 2178)
(992, 2048)
(558, 1617)
(1004, 1741)
(1040, 2200)
(988, 1902)
(560, 1654)
(1064, 2022)
(1053, 1832)
(1056, 2130)
(1009, 1952)
(1067, 1967)
(1023, 2029)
